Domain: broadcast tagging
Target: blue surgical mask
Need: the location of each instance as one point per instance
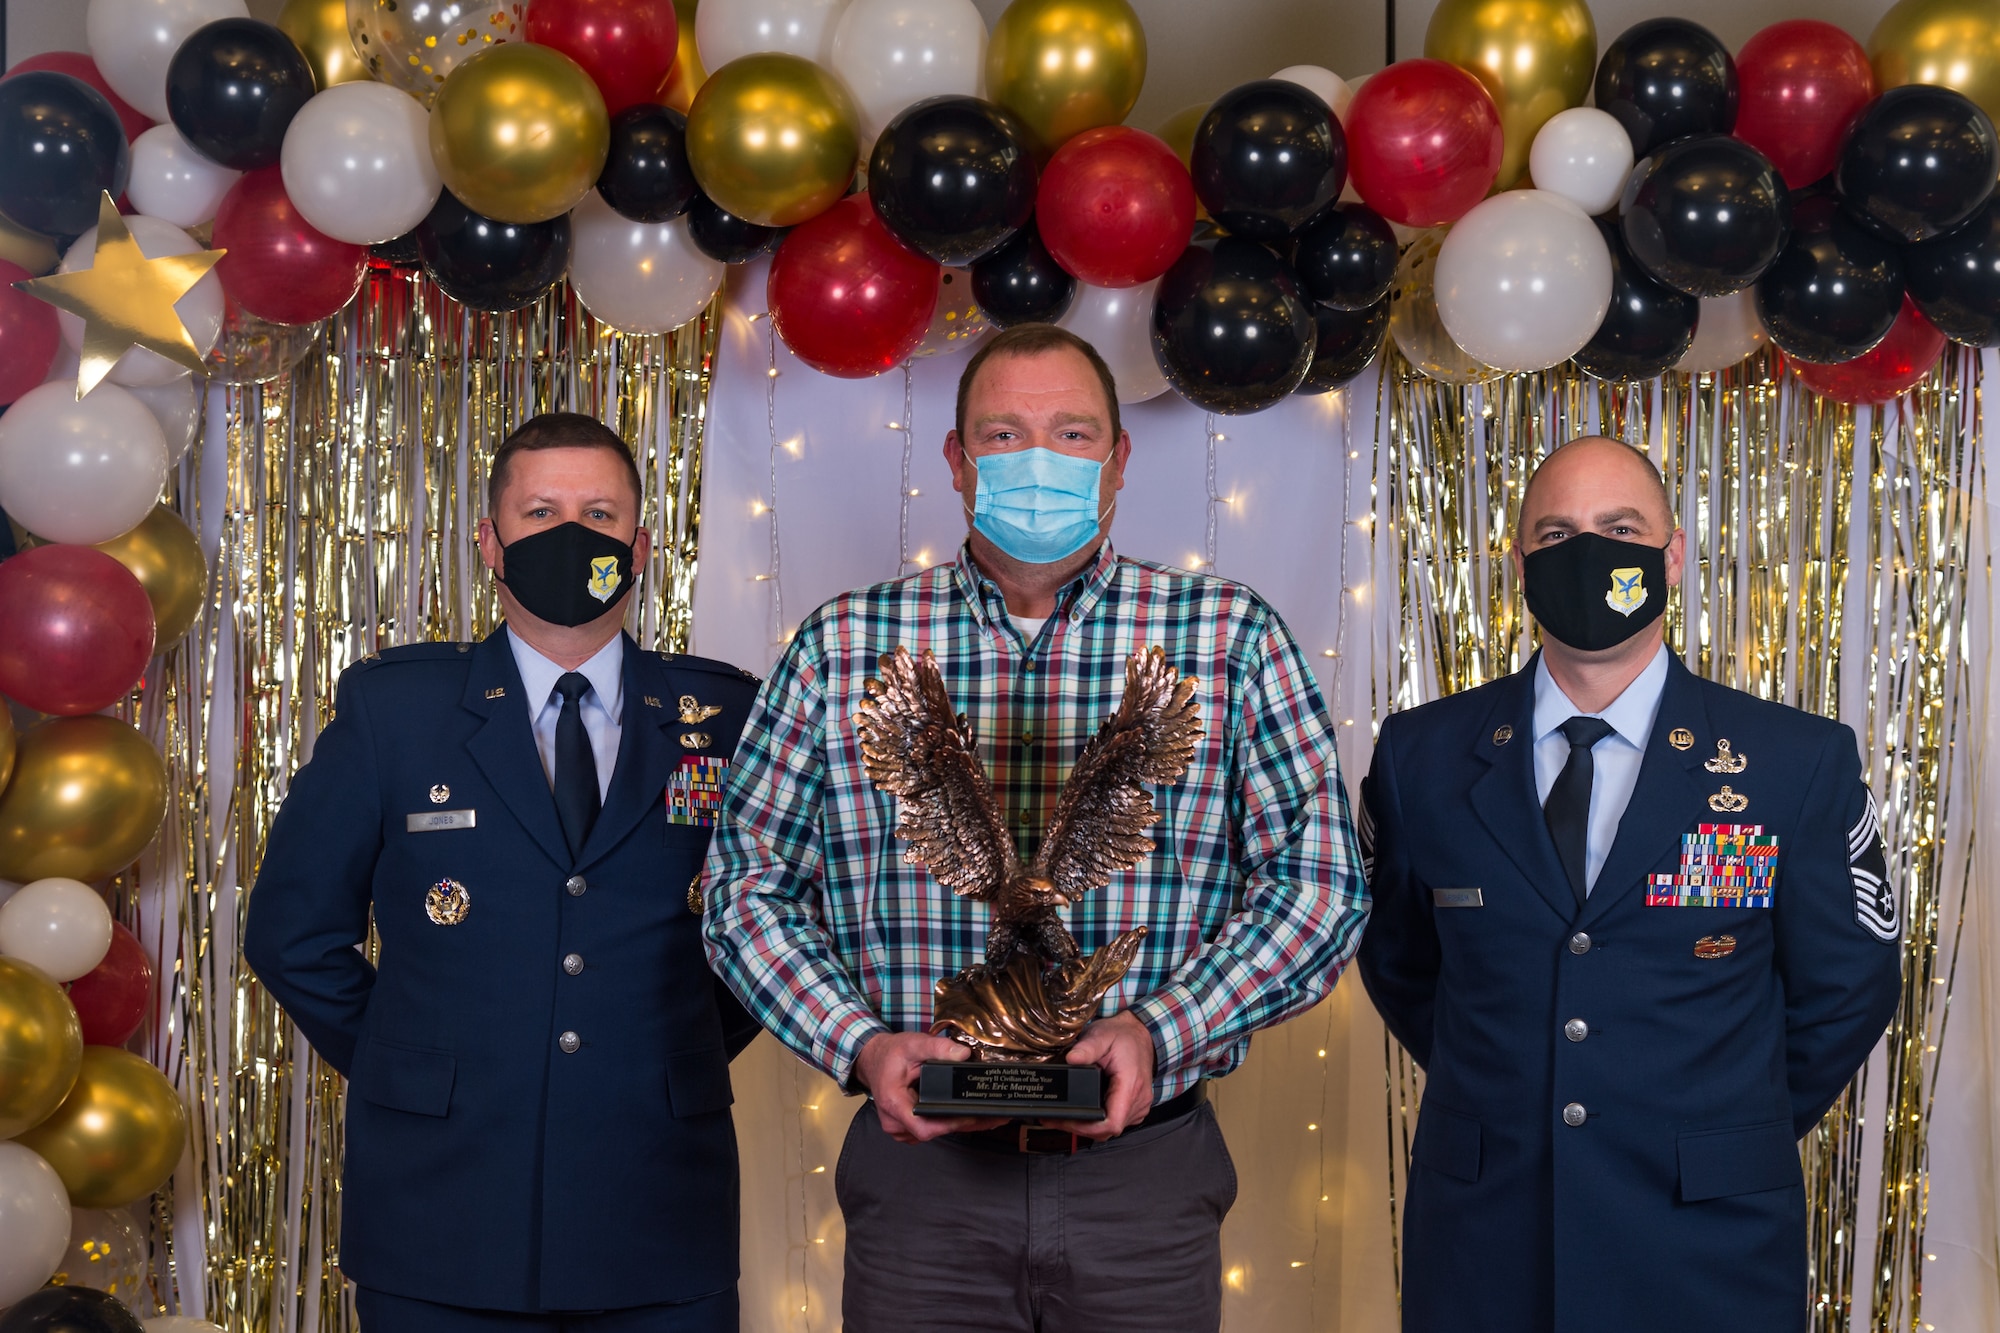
(1037, 505)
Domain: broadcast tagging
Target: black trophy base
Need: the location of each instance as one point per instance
(1012, 1091)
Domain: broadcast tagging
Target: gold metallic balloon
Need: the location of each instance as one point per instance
(773, 139)
(165, 556)
(688, 73)
(415, 44)
(7, 743)
(1066, 66)
(119, 1134)
(41, 1046)
(519, 133)
(1951, 42)
(319, 29)
(37, 254)
(1535, 56)
(1414, 321)
(87, 795)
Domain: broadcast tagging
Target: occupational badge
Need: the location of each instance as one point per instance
(1628, 591)
(447, 903)
(696, 903)
(694, 711)
(440, 794)
(1715, 946)
(604, 577)
(1728, 801)
(696, 740)
(1726, 761)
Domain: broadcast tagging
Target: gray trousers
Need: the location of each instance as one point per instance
(1124, 1237)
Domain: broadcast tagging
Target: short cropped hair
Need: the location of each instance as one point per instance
(556, 430)
(1033, 340)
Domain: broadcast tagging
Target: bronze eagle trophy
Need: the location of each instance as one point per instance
(1033, 995)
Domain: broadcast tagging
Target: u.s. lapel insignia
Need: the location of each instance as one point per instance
(1628, 591)
(447, 903)
(695, 740)
(1681, 738)
(1725, 761)
(440, 794)
(694, 710)
(1502, 734)
(695, 902)
(497, 692)
(1728, 801)
(650, 701)
(1715, 946)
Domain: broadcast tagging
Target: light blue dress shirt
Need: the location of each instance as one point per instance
(1615, 760)
(603, 707)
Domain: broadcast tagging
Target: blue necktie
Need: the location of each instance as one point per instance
(1568, 808)
(576, 767)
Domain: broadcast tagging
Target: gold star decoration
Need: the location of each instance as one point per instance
(125, 299)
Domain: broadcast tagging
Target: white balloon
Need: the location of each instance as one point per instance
(891, 53)
(180, 1323)
(34, 1222)
(357, 162)
(177, 407)
(173, 182)
(726, 30)
(1523, 280)
(200, 309)
(1730, 329)
(59, 925)
(1332, 89)
(80, 472)
(1118, 322)
(1584, 155)
(638, 277)
(133, 41)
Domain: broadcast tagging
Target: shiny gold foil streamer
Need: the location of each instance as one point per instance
(343, 524)
(1829, 552)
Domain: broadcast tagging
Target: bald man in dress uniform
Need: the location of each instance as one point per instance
(538, 1128)
(1637, 929)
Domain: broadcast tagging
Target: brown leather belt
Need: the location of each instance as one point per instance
(1041, 1141)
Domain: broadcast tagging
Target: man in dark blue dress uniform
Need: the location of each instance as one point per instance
(1636, 928)
(538, 1127)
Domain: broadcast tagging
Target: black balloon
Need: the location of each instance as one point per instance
(402, 251)
(647, 177)
(1346, 341)
(1918, 161)
(1231, 330)
(233, 87)
(1648, 327)
(1347, 258)
(491, 265)
(61, 148)
(1706, 216)
(1021, 283)
(1268, 158)
(69, 1310)
(1835, 289)
(1955, 279)
(726, 238)
(953, 178)
(1664, 79)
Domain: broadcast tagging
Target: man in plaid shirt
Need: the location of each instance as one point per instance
(1253, 899)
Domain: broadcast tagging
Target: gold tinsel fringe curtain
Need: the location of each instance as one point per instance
(1828, 568)
(338, 501)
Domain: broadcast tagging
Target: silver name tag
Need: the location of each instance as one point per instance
(431, 821)
(1442, 897)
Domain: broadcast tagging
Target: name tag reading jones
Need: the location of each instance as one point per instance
(432, 821)
(1457, 898)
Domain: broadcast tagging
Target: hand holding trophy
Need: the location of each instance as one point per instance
(1023, 1008)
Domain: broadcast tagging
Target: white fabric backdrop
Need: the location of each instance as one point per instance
(1308, 1245)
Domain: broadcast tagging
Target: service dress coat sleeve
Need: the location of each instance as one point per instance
(1399, 955)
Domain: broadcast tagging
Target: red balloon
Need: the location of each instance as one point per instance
(78, 65)
(1423, 142)
(28, 335)
(626, 46)
(1798, 84)
(1115, 207)
(848, 298)
(279, 266)
(113, 998)
(1893, 367)
(75, 629)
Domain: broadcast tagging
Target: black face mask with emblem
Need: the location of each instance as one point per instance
(568, 574)
(1592, 592)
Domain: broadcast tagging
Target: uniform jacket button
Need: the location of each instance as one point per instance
(1579, 943)
(569, 1042)
(1573, 1114)
(576, 885)
(573, 963)
(1576, 1029)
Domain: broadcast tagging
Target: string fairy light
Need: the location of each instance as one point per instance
(908, 427)
(773, 573)
(1208, 547)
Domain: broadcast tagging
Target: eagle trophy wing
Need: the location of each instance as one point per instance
(916, 748)
(1101, 818)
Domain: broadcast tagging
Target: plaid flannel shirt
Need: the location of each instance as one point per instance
(1253, 899)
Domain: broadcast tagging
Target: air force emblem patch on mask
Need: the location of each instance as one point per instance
(1628, 591)
(604, 578)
